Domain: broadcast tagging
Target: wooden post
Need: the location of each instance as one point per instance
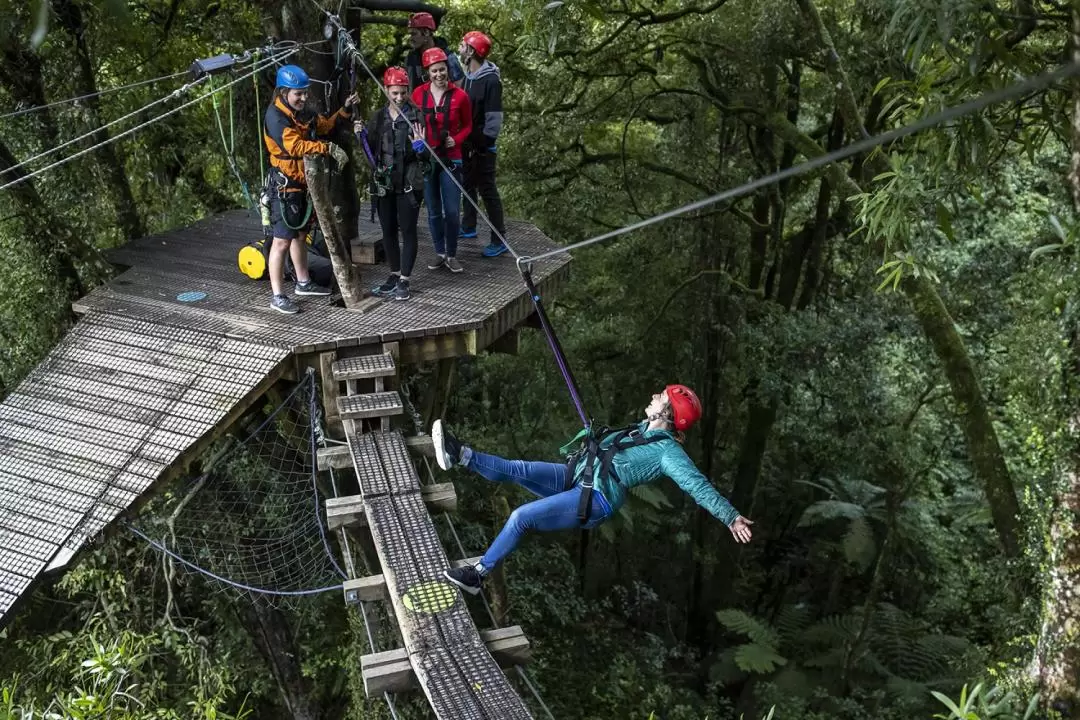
(317, 171)
(330, 394)
(500, 602)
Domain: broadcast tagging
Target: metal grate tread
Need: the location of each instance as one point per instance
(370, 405)
(364, 366)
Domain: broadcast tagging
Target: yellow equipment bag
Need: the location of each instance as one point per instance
(252, 260)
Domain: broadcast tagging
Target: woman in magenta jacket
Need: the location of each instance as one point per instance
(447, 123)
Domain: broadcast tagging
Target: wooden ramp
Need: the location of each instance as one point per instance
(113, 407)
(451, 661)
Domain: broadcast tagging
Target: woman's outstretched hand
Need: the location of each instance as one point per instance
(740, 529)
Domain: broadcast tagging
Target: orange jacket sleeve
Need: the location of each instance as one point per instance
(295, 144)
(325, 125)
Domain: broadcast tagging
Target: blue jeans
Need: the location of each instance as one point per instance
(443, 199)
(556, 510)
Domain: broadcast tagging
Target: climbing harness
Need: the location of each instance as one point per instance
(592, 449)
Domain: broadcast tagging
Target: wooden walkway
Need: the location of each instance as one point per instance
(444, 653)
(145, 381)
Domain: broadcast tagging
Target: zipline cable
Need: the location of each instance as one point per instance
(1037, 82)
(351, 46)
(35, 108)
(45, 153)
(136, 128)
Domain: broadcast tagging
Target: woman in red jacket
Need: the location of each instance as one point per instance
(447, 122)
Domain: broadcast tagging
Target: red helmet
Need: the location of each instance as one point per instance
(479, 42)
(432, 56)
(685, 406)
(395, 76)
(422, 20)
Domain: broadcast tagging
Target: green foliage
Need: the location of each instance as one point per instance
(979, 705)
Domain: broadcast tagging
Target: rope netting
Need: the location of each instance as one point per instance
(253, 520)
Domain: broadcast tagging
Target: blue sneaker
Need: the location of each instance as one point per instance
(467, 234)
(494, 249)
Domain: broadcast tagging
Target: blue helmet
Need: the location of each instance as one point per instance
(292, 77)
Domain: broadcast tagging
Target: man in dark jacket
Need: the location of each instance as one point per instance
(422, 37)
(484, 86)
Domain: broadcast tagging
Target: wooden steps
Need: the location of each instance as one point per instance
(391, 671)
(380, 365)
(348, 511)
(370, 405)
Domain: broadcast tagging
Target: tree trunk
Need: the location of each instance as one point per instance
(56, 245)
(1058, 656)
(983, 446)
(270, 630)
(127, 215)
(987, 460)
(500, 598)
(317, 170)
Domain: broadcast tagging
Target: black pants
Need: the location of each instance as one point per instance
(399, 211)
(479, 167)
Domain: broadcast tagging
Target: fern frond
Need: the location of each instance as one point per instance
(739, 622)
(826, 510)
(758, 658)
(859, 545)
(792, 620)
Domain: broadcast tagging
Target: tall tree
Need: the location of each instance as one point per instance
(71, 19)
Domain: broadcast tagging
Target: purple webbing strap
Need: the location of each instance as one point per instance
(556, 347)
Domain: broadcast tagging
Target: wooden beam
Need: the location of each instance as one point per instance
(415, 351)
(330, 394)
(338, 457)
(507, 343)
(348, 511)
(391, 671)
(373, 587)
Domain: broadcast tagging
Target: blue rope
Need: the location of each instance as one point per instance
(239, 586)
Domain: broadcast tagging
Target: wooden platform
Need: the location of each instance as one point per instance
(145, 381)
(449, 314)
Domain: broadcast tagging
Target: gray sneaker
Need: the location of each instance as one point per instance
(437, 263)
(310, 288)
(283, 304)
(401, 290)
(454, 265)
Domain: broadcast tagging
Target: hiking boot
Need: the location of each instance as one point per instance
(494, 249)
(454, 265)
(401, 290)
(467, 578)
(310, 288)
(283, 304)
(386, 288)
(447, 447)
(437, 263)
(467, 234)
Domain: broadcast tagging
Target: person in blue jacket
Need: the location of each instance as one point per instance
(638, 455)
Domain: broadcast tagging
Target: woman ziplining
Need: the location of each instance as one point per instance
(591, 486)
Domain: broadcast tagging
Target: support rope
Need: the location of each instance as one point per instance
(135, 129)
(35, 108)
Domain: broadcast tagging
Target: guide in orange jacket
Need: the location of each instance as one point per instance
(289, 135)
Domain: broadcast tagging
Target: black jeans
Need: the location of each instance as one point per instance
(479, 167)
(399, 211)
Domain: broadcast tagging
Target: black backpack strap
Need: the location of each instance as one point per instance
(626, 438)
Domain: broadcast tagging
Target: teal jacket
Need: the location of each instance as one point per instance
(643, 464)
